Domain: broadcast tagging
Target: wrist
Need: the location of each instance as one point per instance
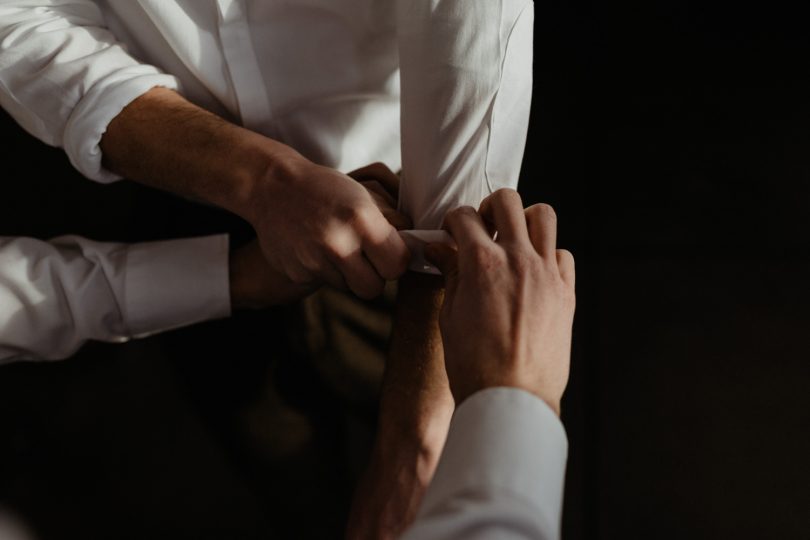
(262, 163)
(417, 435)
(483, 383)
(416, 403)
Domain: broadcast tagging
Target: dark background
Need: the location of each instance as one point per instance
(671, 137)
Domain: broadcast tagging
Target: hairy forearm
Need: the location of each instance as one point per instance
(416, 400)
(415, 411)
(164, 141)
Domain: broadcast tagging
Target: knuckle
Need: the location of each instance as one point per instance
(565, 254)
(483, 256)
(459, 213)
(363, 215)
(334, 248)
(373, 186)
(380, 166)
(543, 211)
(567, 258)
(357, 216)
(502, 197)
(524, 263)
(507, 194)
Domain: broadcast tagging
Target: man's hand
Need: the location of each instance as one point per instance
(255, 284)
(314, 223)
(318, 225)
(509, 302)
(383, 186)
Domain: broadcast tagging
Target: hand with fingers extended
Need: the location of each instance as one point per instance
(509, 302)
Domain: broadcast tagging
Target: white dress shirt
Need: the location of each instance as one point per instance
(56, 295)
(320, 75)
(501, 473)
(331, 78)
(440, 88)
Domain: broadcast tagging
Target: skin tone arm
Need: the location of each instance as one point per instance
(415, 411)
(313, 223)
(347, 239)
(506, 322)
(255, 285)
(506, 316)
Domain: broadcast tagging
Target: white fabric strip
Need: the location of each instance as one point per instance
(243, 66)
(501, 473)
(56, 295)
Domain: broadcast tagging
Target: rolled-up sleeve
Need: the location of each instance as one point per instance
(466, 81)
(64, 76)
(56, 295)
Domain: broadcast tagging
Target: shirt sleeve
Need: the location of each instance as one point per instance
(64, 77)
(466, 84)
(501, 473)
(56, 295)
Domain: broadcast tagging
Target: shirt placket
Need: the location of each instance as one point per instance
(243, 65)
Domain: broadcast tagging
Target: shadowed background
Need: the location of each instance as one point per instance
(671, 137)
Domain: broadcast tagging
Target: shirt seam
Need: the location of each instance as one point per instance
(491, 112)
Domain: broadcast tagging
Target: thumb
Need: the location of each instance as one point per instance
(444, 257)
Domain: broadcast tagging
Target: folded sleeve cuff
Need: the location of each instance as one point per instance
(104, 101)
(503, 441)
(416, 240)
(175, 283)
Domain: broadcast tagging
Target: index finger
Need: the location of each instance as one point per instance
(384, 248)
(379, 172)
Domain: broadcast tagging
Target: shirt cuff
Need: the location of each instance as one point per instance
(175, 283)
(103, 102)
(416, 240)
(504, 440)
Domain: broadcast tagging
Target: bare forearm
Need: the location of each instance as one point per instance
(164, 141)
(416, 400)
(415, 411)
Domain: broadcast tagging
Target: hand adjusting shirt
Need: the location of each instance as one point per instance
(321, 75)
(331, 78)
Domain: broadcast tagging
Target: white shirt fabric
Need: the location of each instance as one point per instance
(501, 473)
(56, 295)
(331, 78)
(440, 88)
